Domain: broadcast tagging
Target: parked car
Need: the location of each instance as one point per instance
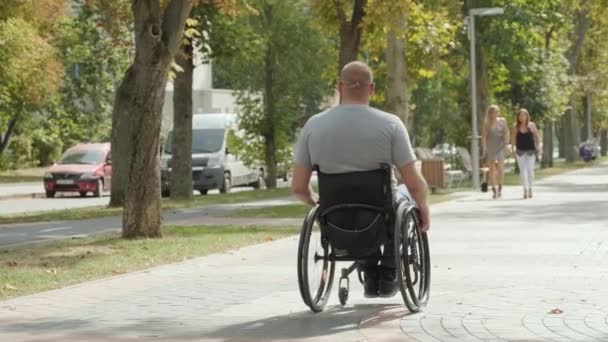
(214, 166)
(83, 168)
(444, 150)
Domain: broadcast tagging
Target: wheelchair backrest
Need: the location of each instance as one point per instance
(356, 208)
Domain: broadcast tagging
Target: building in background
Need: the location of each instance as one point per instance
(205, 99)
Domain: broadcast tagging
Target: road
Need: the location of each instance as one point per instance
(27, 233)
(21, 189)
(10, 206)
(502, 270)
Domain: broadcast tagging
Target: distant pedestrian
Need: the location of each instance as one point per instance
(494, 140)
(526, 140)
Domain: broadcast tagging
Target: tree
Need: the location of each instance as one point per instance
(198, 29)
(136, 118)
(347, 17)
(277, 71)
(96, 53)
(181, 153)
(30, 74)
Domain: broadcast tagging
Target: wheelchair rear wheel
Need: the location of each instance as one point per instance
(413, 259)
(315, 271)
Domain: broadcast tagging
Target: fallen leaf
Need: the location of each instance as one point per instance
(52, 271)
(11, 263)
(555, 311)
(8, 286)
(268, 238)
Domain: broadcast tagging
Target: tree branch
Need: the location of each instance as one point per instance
(358, 13)
(340, 11)
(174, 21)
(4, 139)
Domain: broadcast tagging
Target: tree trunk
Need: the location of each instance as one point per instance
(604, 141)
(562, 137)
(6, 137)
(571, 127)
(571, 135)
(396, 92)
(588, 122)
(137, 114)
(120, 143)
(350, 32)
(270, 159)
(547, 160)
(270, 156)
(181, 147)
(483, 85)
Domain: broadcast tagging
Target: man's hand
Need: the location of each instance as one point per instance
(417, 187)
(425, 218)
(300, 184)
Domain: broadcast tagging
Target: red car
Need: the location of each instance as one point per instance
(83, 168)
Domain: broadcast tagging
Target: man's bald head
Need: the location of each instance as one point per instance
(356, 82)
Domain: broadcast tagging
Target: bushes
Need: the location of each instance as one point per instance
(20, 155)
(46, 148)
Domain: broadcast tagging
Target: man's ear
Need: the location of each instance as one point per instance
(372, 89)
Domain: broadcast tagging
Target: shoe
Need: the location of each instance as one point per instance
(387, 286)
(525, 194)
(500, 191)
(370, 284)
(529, 193)
(494, 194)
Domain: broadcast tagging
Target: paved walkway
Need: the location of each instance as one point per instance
(499, 268)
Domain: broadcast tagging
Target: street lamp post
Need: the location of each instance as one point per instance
(474, 131)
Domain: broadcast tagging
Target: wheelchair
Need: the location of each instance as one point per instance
(356, 214)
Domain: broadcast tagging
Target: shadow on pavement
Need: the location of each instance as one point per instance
(306, 324)
(300, 325)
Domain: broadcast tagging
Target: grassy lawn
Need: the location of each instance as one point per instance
(300, 210)
(99, 211)
(21, 176)
(53, 265)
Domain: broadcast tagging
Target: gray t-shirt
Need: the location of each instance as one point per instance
(349, 138)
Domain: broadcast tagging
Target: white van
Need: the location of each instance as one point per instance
(214, 166)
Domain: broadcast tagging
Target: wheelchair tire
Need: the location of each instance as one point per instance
(413, 259)
(343, 295)
(317, 300)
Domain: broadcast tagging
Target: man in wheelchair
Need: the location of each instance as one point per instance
(354, 139)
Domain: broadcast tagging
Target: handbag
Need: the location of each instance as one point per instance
(484, 187)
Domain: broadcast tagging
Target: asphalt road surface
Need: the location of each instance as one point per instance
(27, 233)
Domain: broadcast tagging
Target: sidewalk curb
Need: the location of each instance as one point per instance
(18, 196)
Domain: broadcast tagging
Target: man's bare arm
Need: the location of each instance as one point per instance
(417, 187)
(300, 185)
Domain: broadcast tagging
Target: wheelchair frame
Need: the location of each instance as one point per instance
(413, 266)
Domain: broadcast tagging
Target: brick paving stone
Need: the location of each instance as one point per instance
(498, 268)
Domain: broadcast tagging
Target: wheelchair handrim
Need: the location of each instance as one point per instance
(406, 232)
(318, 300)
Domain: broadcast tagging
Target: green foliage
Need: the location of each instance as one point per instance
(21, 151)
(96, 54)
(299, 55)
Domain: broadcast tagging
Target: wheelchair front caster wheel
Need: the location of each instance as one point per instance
(343, 295)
